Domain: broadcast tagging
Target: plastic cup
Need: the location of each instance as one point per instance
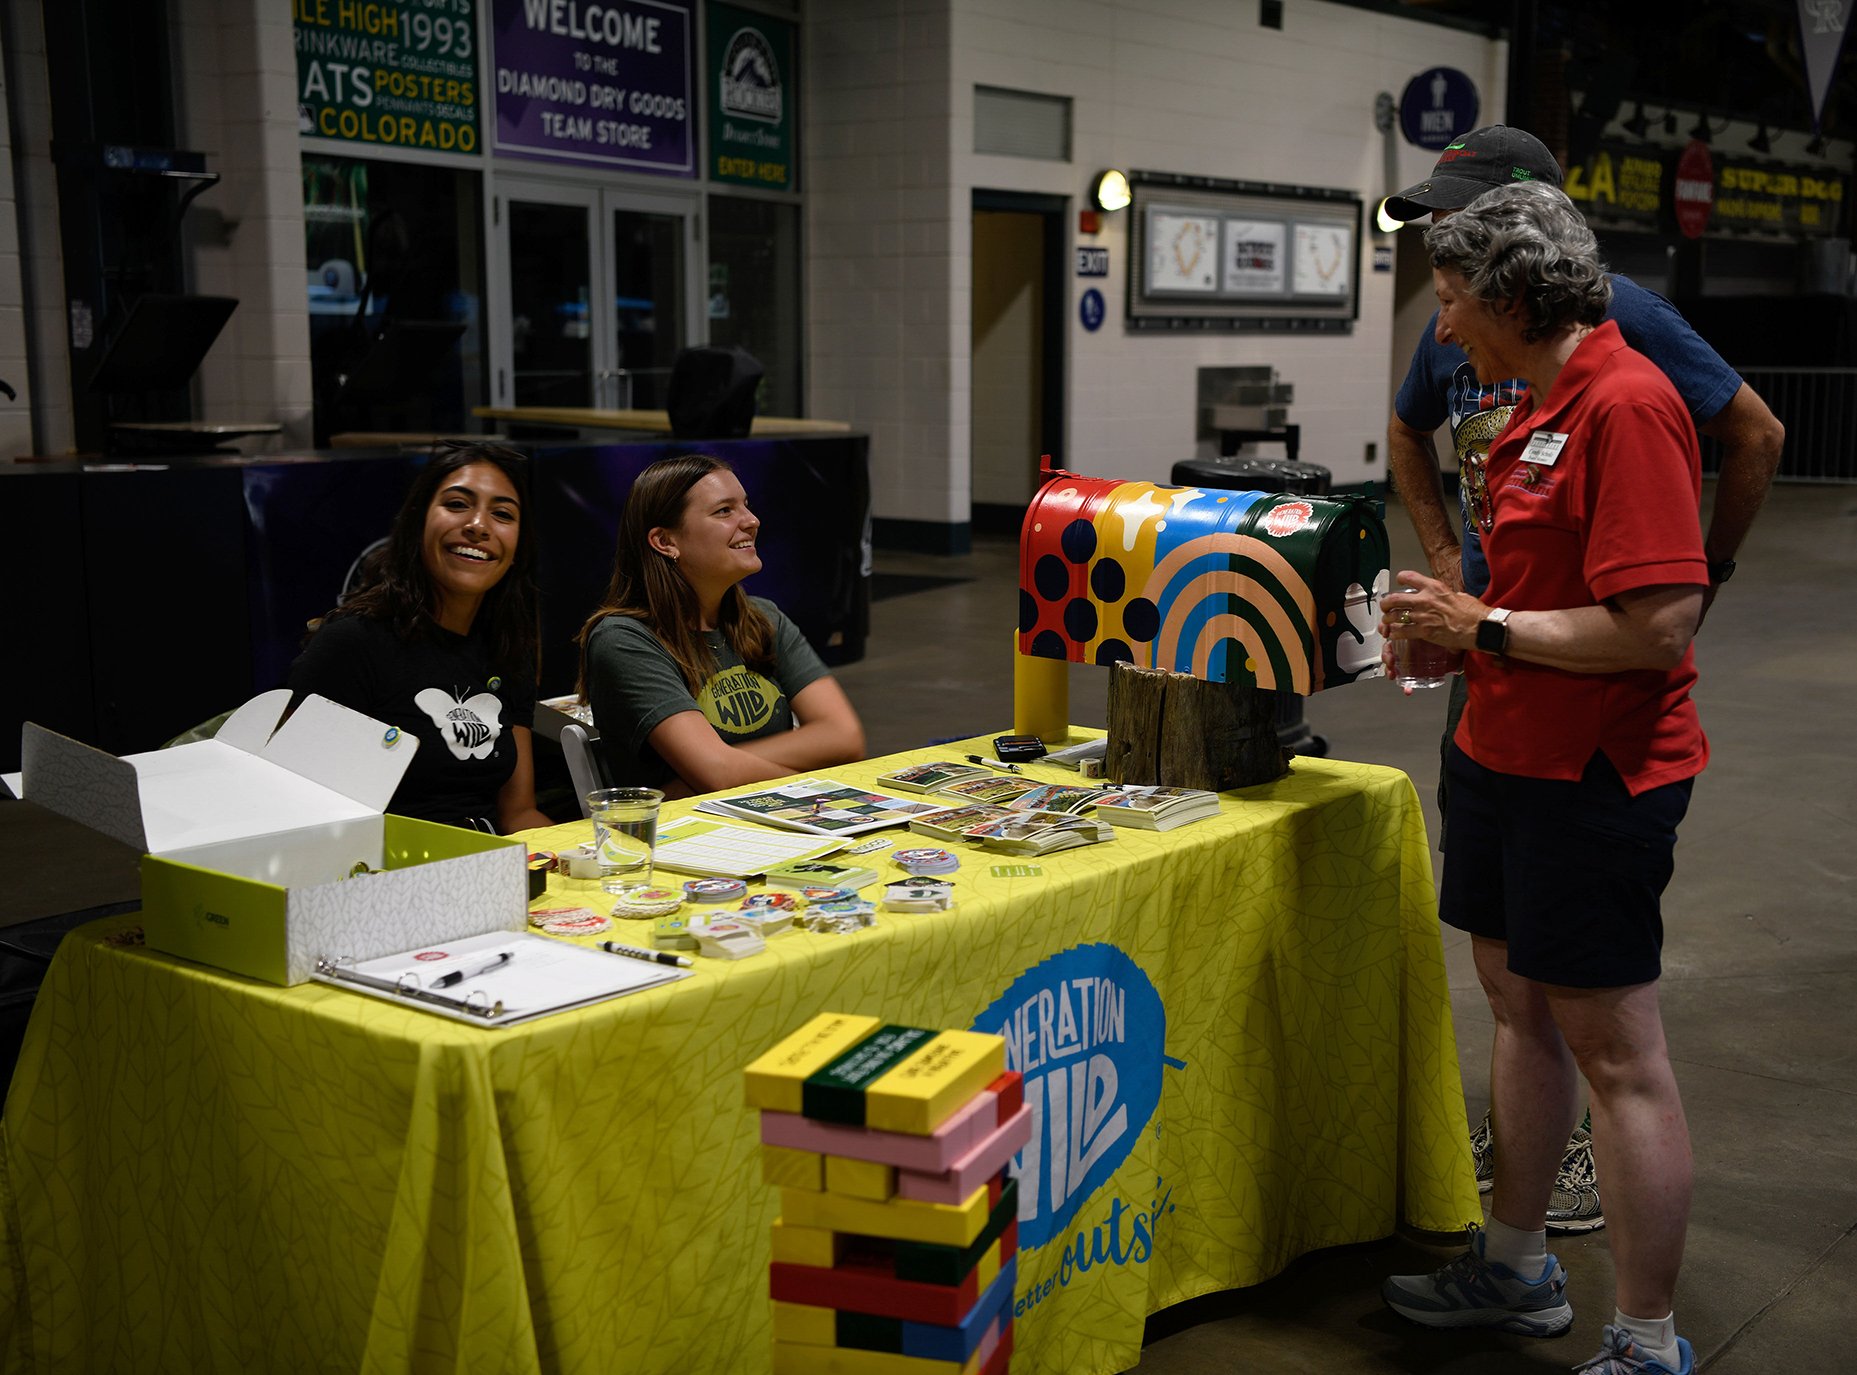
(1422, 664)
(625, 832)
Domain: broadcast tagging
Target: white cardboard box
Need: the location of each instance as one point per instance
(250, 838)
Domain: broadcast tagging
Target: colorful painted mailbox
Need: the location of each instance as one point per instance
(1267, 588)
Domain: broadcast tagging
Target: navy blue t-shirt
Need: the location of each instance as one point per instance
(1441, 385)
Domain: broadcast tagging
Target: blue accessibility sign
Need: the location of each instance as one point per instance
(1438, 107)
(1090, 310)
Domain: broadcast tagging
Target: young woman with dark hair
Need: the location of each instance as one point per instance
(442, 644)
(694, 684)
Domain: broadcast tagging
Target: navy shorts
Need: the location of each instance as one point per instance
(1569, 874)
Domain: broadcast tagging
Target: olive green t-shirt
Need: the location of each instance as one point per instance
(633, 685)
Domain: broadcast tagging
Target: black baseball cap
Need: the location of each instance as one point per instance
(1495, 155)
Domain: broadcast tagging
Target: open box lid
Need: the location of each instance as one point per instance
(326, 763)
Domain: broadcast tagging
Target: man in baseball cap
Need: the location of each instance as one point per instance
(1441, 388)
(1494, 156)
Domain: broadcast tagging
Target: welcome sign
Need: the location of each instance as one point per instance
(606, 83)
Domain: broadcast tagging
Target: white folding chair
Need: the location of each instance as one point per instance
(584, 764)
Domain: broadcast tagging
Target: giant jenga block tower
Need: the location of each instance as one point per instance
(896, 1249)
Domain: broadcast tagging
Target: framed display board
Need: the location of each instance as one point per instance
(1211, 254)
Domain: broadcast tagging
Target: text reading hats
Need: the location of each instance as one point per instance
(1494, 156)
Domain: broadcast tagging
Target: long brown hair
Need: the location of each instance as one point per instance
(647, 586)
(402, 593)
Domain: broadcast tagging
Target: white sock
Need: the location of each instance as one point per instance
(1656, 1337)
(1525, 1253)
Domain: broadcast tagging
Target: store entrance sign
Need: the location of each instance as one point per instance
(753, 98)
(596, 83)
(401, 74)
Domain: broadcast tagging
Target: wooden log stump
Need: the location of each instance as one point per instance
(1181, 731)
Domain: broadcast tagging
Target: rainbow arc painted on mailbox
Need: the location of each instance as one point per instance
(1263, 588)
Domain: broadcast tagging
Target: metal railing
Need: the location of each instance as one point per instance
(1818, 407)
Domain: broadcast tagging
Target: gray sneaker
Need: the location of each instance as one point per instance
(1573, 1207)
(1474, 1292)
(1483, 1155)
(1619, 1355)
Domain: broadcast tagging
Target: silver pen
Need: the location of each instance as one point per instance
(458, 976)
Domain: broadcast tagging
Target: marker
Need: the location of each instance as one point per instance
(990, 764)
(655, 956)
(458, 976)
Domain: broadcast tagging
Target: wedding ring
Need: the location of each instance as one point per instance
(1405, 616)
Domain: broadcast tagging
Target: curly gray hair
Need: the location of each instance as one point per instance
(1526, 242)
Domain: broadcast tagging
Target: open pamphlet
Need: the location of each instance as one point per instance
(819, 806)
(496, 980)
(715, 849)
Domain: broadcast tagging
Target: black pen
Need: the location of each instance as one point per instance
(990, 764)
(655, 956)
(458, 976)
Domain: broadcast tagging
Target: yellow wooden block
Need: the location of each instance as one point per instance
(795, 1358)
(924, 1090)
(803, 1323)
(774, 1079)
(859, 1178)
(943, 1224)
(806, 1245)
(986, 1269)
(787, 1168)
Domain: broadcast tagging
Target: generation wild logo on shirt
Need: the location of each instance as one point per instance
(738, 701)
(469, 727)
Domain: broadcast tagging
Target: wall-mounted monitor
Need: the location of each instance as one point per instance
(1211, 254)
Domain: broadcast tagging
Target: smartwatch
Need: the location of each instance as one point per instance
(1493, 632)
(1719, 573)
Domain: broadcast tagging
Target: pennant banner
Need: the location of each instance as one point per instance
(1821, 36)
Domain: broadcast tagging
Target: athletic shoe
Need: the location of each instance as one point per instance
(1620, 1355)
(1483, 1155)
(1573, 1207)
(1474, 1292)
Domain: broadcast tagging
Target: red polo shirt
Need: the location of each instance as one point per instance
(1614, 511)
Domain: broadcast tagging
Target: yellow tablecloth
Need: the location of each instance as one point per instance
(203, 1173)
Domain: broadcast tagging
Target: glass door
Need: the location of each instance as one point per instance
(599, 293)
(650, 269)
(551, 344)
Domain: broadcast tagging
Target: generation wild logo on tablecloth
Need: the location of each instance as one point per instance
(1086, 1029)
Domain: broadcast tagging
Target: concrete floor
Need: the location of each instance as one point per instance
(1759, 992)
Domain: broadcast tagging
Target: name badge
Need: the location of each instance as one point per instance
(1543, 448)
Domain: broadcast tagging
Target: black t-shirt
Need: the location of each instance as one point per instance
(439, 687)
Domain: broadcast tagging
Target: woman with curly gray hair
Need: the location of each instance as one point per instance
(1570, 770)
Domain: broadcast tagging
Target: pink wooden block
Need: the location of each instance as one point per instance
(986, 1159)
(933, 1154)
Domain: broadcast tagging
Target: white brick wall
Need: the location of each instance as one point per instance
(235, 84)
(15, 416)
(43, 378)
(1190, 86)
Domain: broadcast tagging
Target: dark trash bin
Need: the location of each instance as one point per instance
(1244, 474)
(1249, 474)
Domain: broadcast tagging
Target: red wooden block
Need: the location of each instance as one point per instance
(866, 1287)
(1009, 1092)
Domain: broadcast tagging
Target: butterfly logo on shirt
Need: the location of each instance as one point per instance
(468, 726)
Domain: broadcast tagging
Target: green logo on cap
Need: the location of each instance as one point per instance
(1521, 174)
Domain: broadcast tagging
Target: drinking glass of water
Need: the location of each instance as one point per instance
(625, 830)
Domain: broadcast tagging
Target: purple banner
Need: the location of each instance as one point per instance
(598, 81)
